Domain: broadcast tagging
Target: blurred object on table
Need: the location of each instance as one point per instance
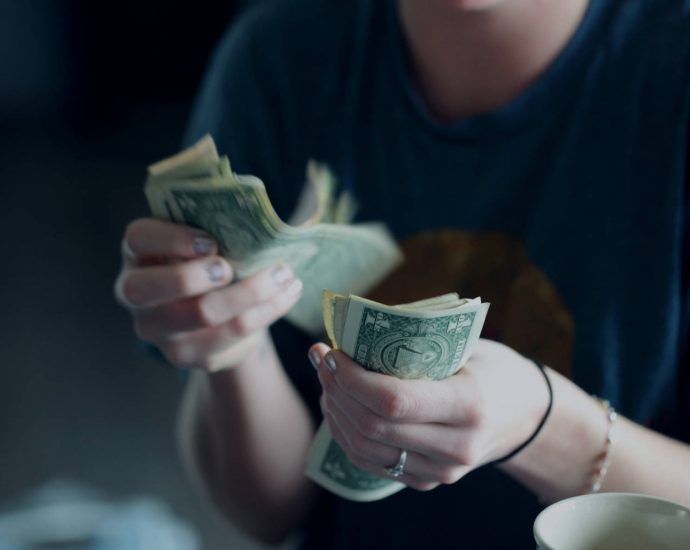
(68, 515)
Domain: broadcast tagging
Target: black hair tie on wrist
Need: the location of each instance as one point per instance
(539, 426)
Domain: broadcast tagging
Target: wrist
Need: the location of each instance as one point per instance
(247, 375)
(559, 462)
(543, 412)
(252, 349)
(603, 460)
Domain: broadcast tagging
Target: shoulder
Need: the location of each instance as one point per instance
(646, 50)
(652, 28)
(289, 34)
(277, 69)
(282, 56)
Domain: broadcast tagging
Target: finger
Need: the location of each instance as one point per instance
(259, 288)
(190, 350)
(443, 443)
(419, 470)
(408, 478)
(149, 239)
(152, 286)
(219, 346)
(274, 288)
(191, 347)
(452, 400)
(375, 452)
(440, 442)
(266, 313)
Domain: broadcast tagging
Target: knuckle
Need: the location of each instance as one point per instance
(395, 405)
(370, 427)
(465, 454)
(458, 453)
(475, 412)
(179, 354)
(281, 305)
(448, 476)
(203, 311)
(129, 290)
(242, 325)
(474, 454)
(423, 486)
(180, 282)
(253, 290)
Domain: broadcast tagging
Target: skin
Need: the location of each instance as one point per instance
(473, 56)
(469, 57)
(451, 427)
(218, 329)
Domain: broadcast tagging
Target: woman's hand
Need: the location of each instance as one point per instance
(447, 427)
(178, 291)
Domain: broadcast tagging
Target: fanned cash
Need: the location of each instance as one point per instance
(430, 339)
(198, 188)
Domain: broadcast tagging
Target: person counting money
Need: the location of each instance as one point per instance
(532, 153)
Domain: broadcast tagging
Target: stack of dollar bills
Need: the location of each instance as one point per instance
(429, 339)
(197, 187)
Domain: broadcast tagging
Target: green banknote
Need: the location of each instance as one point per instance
(429, 339)
(198, 188)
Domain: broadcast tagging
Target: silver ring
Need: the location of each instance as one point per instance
(398, 469)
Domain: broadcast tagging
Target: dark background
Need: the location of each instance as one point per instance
(90, 93)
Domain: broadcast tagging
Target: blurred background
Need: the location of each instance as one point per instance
(90, 93)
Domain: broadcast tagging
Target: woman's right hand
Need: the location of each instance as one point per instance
(179, 293)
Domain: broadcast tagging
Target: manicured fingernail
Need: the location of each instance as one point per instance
(330, 363)
(281, 274)
(215, 270)
(314, 359)
(203, 245)
(294, 289)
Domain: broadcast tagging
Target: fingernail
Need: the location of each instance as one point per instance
(281, 274)
(330, 363)
(294, 289)
(203, 245)
(314, 359)
(215, 270)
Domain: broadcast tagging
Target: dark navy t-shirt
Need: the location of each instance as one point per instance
(568, 208)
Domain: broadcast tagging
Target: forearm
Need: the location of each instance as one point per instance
(244, 434)
(648, 462)
(561, 460)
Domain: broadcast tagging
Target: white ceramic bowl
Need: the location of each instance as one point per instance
(613, 521)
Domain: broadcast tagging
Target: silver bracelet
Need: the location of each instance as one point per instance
(604, 458)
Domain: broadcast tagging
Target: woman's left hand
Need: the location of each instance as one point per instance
(448, 427)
